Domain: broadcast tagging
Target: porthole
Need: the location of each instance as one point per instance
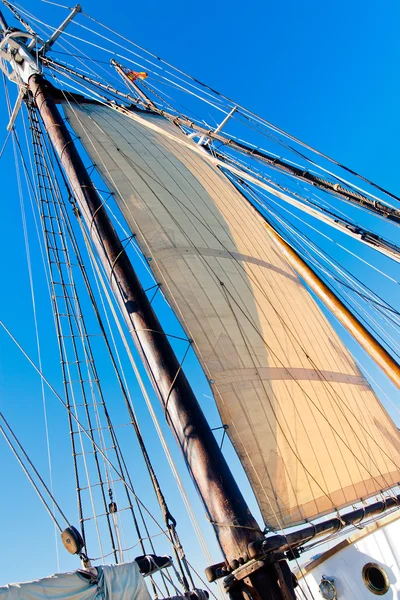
(376, 579)
(327, 589)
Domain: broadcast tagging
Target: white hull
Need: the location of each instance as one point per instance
(346, 565)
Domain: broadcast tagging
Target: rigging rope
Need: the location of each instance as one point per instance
(250, 115)
(167, 515)
(154, 64)
(36, 326)
(10, 443)
(275, 163)
(275, 215)
(176, 539)
(85, 432)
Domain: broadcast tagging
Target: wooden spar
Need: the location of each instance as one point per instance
(234, 525)
(3, 22)
(377, 352)
(137, 89)
(370, 204)
(56, 34)
(291, 541)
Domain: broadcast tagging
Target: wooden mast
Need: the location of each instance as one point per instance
(234, 525)
(377, 352)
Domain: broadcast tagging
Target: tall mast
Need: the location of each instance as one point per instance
(233, 523)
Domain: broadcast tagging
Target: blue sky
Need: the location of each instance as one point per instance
(329, 74)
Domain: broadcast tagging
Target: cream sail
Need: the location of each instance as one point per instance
(309, 431)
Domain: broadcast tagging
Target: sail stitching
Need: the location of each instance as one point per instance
(74, 111)
(322, 378)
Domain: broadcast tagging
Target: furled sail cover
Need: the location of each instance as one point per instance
(113, 582)
(310, 433)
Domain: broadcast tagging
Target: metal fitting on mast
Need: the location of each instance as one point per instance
(16, 54)
(21, 53)
(18, 63)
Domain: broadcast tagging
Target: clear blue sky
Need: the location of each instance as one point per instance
(328, 73)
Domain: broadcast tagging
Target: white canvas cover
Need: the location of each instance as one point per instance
(114, 582)
(309, 431)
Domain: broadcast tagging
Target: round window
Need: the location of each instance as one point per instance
(327, 589)
(376, 579)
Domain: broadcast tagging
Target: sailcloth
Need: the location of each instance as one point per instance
(113, 582)
(308, 429)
